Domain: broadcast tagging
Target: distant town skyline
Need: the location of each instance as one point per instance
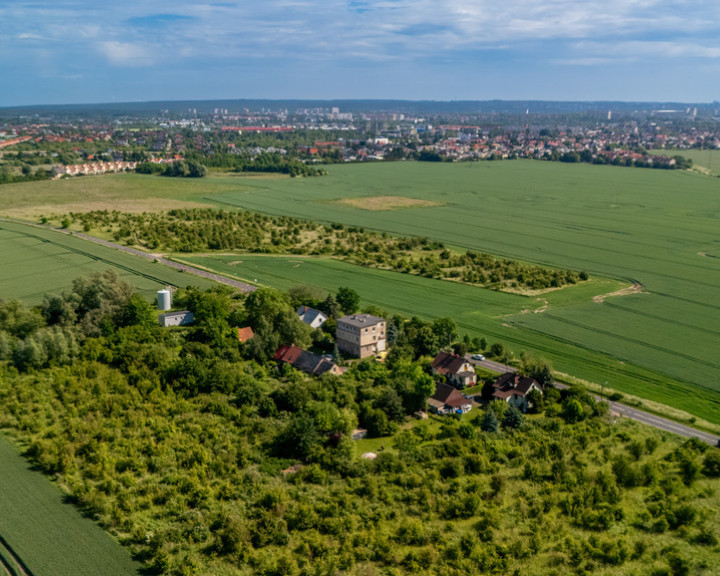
(630, 50)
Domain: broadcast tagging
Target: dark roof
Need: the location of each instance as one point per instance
(361, 320)
(308, 362)
(445, 363)
(448, 395)
(511, 383)
(308, 315)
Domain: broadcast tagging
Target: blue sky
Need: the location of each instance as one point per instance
(77, 51)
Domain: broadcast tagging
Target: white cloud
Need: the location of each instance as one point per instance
(126, 54)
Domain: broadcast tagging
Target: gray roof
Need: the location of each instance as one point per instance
(361, 320)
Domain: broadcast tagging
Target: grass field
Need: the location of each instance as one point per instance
(495, 315)
(50, 537)
(36, 261)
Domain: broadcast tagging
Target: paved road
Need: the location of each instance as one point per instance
(190, 269)
(622, 409)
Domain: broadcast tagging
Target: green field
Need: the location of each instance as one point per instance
(48, 535)
(478, 312)
(656, 228)
(703, 159)
(37, 261)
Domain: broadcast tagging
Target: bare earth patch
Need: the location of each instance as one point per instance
(635, 288)
(129, 205)
(386, 202)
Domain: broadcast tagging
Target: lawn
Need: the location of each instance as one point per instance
(37, 261)
(50, 536)
(478, 312)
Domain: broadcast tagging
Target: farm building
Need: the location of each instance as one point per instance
(181, 318)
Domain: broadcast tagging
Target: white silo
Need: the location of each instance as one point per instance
(164, 299)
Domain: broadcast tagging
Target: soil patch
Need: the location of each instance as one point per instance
(386, 203)
(635, 288)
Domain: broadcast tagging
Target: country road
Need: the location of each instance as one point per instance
(621, 409)
(185, 268)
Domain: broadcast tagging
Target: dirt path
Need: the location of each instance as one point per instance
(10, 563)
(635, 288)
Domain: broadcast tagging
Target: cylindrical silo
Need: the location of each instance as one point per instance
(164, 299)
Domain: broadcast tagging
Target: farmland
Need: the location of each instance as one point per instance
(37, 261)
(702, 159)
(493, 315)
(32, 511)
(658, 229)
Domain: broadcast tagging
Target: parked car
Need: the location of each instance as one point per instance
(477, 357)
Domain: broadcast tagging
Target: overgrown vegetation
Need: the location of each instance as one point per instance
(204, 459)
(200, 230)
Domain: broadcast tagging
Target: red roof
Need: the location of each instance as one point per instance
(244, 334)
(288, 353)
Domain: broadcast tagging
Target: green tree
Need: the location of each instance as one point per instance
(489, 422)
(445, 329)
(512, 418)
(348, 300)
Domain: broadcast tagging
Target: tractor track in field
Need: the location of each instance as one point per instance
(10, 563)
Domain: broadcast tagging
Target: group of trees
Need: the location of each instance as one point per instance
(205, 458)
(177, 169)
(204, 229)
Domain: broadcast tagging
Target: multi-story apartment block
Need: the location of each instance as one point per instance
(361, 335)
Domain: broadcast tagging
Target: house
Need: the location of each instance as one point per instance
(311, 317)
(447, 400)
(456, 369)
(308, 362)
(245, 334)
(513, 389)
(180, 318)
(361, 335)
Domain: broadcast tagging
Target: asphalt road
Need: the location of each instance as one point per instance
(621, 409)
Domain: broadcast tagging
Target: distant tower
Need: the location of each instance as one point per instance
(609, 114)
(164, 299)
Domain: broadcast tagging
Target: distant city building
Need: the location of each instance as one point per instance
(361, 335)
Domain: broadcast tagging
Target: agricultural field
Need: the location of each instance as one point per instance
(33, 511)
(703, 160)
(37, 261)
(657, 229)
(494, 315)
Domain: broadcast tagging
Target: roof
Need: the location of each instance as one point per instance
(448, 395)
(244, 334)
(445, 363)
(288, 353)
(361, 320)
(173, 314)
(308, 315)
(511, 383)
(308, 362)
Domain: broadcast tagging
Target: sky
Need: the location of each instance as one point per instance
(80, 51)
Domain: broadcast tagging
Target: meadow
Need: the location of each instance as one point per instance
(494, 315)
(703, 160)
(36, 261)
(32, 511)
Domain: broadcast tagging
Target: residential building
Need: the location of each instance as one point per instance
(361, 335)
(245, 334)
(513, 389)
(311, 317)
(307, 362)
(456, 369)
(447, 400)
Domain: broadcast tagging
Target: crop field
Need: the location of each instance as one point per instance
(655, 228)
(36, 261)
(41, 535)
(702, 159)
(497, 316)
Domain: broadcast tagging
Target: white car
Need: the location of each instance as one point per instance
(477, 357)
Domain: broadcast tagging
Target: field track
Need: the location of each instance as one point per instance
(10, 563)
